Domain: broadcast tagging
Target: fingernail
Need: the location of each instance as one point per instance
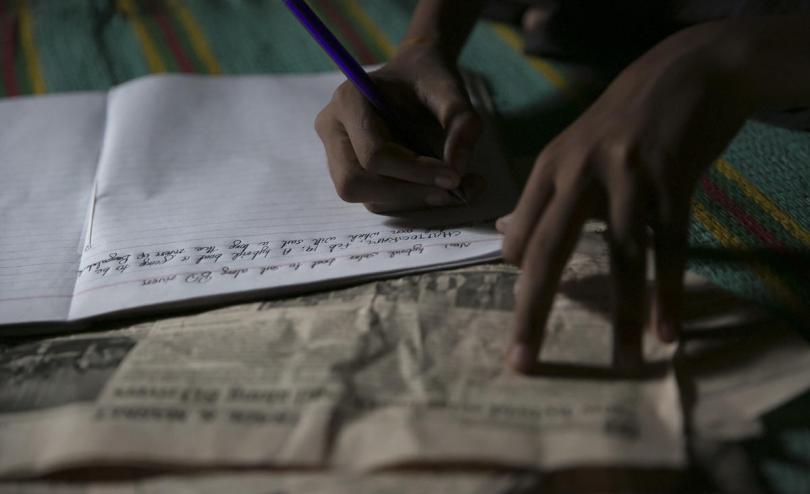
(439, 199)
(502, 223)
(520, 358)
(447, 180)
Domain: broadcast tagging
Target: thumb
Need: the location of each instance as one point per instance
(451, 106)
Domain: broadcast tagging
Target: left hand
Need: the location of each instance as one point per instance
(634, 158)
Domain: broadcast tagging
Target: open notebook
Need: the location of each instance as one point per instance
(174, 189)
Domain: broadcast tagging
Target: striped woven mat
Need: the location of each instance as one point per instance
(751, 222)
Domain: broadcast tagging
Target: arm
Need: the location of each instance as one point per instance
(443, 24)
(634, 158)
(366, 164)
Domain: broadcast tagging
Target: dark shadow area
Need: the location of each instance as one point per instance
(790, 266)
(781, 455)
(526, 132)
(522, 481)
(650, 370)
(568, 480)
(793, 260)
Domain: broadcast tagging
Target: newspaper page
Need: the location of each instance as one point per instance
(399, 372)
(740, 363)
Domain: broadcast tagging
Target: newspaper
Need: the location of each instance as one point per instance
(739, 364)
(404, 372)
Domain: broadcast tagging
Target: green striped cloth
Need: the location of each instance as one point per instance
(751, 226)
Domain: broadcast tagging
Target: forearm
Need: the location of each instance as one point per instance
(442, 24)
(777, 61)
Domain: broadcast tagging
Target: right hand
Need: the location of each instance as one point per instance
(366, 162)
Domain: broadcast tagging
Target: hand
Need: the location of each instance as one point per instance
(633, 158)
(366, 162)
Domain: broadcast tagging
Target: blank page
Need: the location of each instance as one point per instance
(209, 186)
(48, 153)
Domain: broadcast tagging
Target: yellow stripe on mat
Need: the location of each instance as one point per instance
(752, 191)
(729, 240)
(377, 35)
(544, 68)
(29, 48)
(153, 60)
(196, 37)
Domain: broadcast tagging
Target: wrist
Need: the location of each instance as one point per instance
(423, 46)
(721, 54)
(420, 55)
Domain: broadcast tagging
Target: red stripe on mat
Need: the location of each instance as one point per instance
(749, 222)
(333, 14)
(183, 61)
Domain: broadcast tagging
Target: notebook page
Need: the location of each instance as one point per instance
(48, 154)
(208, 186)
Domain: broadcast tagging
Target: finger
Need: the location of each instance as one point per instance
(451, 106)
(381, 194)
(535, 197)
(377, 153)
(671, 237)
(627, 241)
(366, 129)
(502, 223)
(462, 135)
(548, 249)
(391, 195)
(395, 161)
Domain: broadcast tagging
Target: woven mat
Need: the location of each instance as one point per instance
(751, 225)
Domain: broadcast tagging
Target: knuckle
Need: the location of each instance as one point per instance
(572, 177)
(322, 122)
(548, 161)
(367, 122)
(622, 155)
(372, 158)
(346, 187)
(375, 208)
(543, 166)
(619, 149)
(449, 102)
(343, 92)
(452, 107)
(448, 87)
